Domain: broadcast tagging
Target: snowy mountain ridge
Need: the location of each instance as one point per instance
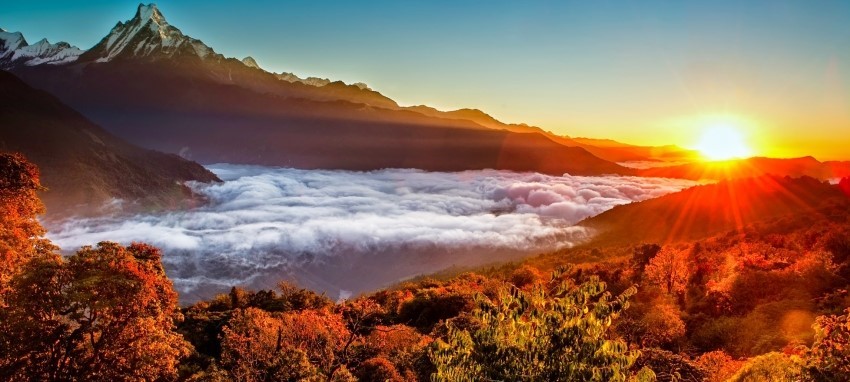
(146, 36)
(14, 50)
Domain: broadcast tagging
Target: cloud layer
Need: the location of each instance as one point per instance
(354, 231)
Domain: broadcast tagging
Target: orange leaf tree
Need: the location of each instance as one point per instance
(20, 232)
(106, 313)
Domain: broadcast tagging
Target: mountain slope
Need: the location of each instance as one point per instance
(703, 211)
(605, 149)
(177, 95)
(82, 165)
(753, 167)
(211, 122)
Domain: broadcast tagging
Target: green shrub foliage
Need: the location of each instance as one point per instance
(555, 331)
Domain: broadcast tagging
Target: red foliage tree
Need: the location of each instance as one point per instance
(20, 232)
(254, 349)
(104, 314)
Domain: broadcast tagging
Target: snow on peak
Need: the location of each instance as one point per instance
(250, 62)
(9, 42)
(15, 51)
(149, 12)
(314, 81)
(147, 34)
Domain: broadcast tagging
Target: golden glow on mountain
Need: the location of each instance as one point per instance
(722, 142)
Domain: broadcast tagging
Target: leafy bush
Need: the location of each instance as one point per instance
(829, 357)
(770, 367)
(670, 367)
(552, 332)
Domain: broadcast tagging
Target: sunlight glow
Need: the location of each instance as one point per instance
(723, 142)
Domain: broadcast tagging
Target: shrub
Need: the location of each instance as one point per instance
(770, 367)
(552, 332)
(829, 357)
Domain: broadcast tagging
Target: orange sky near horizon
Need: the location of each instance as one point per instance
(810, 120)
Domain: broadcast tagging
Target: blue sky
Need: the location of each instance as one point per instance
(645, 72)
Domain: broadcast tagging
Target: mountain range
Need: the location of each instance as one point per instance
(15, 51)
(150, 84)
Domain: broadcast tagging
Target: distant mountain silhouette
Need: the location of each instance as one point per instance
(623, 152)
(149, 83)
(707, 210)
(82, 165)
(603, 148)
(747, 168)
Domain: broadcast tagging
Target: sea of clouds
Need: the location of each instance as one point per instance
(344, 232)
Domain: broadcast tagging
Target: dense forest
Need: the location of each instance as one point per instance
(763, 301)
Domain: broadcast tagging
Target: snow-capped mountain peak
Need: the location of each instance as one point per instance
(250, 62)
(15, 51)
(146, 37)
(150, 12)
(148, 34)
(9, 42)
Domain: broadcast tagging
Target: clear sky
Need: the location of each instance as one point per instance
(647, 72)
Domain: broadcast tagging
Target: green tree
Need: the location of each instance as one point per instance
(557, 331)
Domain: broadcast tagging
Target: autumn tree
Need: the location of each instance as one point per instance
(403, 346)
(21, 235)
(668, 366)
(525, 275)
(669, 271)
(552, 332)
(305, 345)
(107, 313)
(718, 365)
(296, 298)
(652, 322)
(829, 357)
(642, 254)
(322, 334)
(254, 349)
(379, 369)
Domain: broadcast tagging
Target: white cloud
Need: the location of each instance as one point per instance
(336, 230)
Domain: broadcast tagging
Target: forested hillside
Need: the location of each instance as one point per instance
(767, 302)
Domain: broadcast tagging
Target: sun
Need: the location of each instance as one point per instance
(722, 142)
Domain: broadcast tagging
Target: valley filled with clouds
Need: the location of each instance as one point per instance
(347, 232)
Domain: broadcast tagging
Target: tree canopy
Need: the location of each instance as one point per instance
(106, 313)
